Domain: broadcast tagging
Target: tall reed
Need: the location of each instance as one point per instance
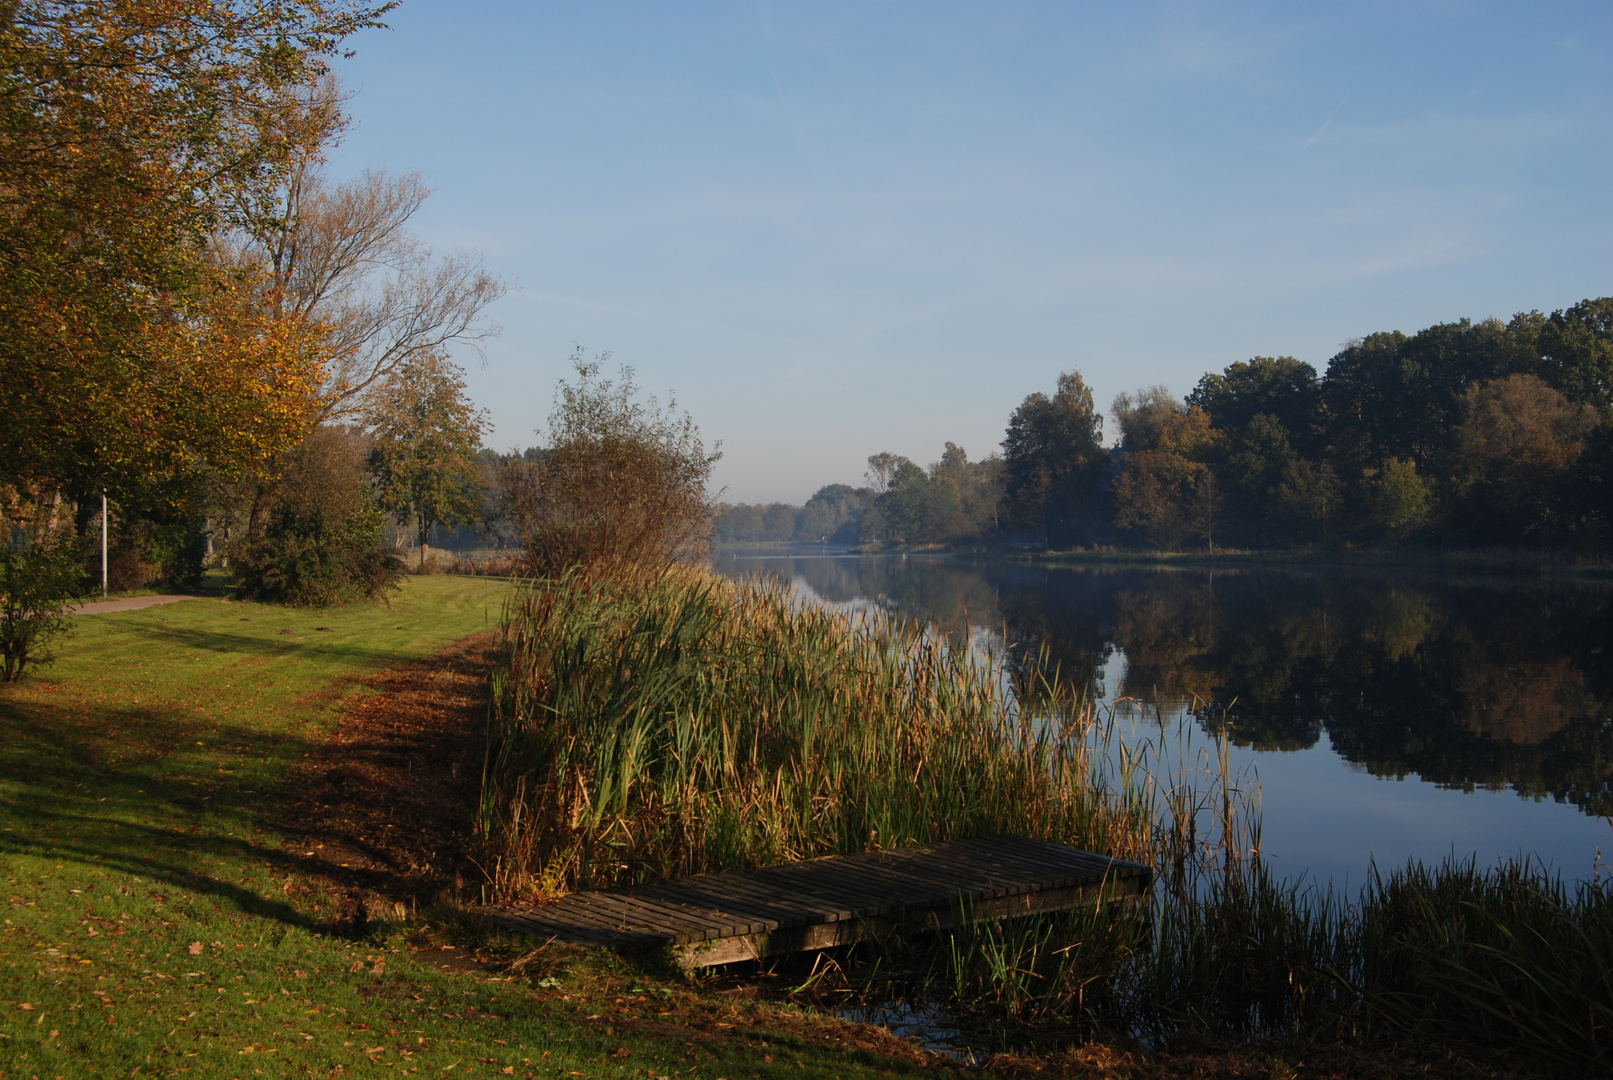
(692, 724)
(1511, 955)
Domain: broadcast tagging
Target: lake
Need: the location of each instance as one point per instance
(1388, 714)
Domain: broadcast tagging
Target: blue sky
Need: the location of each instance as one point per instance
(841, 229)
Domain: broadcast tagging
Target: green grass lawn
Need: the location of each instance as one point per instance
(156, 924)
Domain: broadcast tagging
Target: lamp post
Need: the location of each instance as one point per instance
(103, 545)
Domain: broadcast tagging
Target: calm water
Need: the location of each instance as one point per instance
(1389, 714)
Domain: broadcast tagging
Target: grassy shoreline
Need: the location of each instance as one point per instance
(687, 724)
(168, 915)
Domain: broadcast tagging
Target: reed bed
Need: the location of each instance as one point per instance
(691, 724)
(688, 724)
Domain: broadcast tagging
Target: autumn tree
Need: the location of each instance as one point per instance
(834, 513)
(1589, 495)
(1251, 462)
(322, 541)
(1053, 458)
(426, 437)
(1205, 508)
(1401, 499)
(342, 256)
(1575, 347)
(913, 505)
(1392, 395)
(1280, 387)
(1518, 440)
(1140, 417)
(1311, 494)
(37, 582)
(1168, 493)
(979, 487)
(127, 128)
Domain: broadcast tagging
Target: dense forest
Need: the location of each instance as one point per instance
(1462, 435)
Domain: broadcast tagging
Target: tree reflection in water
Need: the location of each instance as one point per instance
(1466, 682)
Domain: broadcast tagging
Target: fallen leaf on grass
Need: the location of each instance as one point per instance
(195, 948)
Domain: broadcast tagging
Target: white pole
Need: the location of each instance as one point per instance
(103, 545)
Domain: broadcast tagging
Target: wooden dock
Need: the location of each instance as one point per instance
(746, 915)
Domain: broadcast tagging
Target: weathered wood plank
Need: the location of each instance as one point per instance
(778, 911)
(743, 947)
(632, 913)
(741, 915)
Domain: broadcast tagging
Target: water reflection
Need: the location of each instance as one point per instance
(1466, 683)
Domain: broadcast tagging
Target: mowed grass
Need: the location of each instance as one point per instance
(156, 925)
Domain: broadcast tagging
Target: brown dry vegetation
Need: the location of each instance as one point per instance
(386, 804)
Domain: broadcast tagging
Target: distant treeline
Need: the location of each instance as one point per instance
(955, 500)
(1463, 434)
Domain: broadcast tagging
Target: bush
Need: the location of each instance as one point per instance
(323, 542)
(37, 585)
(620, 489)
(168, 552)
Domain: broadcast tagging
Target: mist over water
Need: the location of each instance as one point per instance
(1388, 714)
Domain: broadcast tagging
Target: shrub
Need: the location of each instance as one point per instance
(168, 551)
(323, 541)
(37, 584)
(620, 489)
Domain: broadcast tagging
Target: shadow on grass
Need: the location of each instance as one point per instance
(158, 855)
(382, 808)
(338, 651)
(116, 790)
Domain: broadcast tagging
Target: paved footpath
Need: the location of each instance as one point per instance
(131, 603)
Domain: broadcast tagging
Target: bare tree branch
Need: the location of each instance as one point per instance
(342, 256)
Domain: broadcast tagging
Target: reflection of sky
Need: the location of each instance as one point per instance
(1325, 818)
(1328, 819)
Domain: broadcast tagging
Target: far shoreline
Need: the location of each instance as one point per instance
(1535, 563)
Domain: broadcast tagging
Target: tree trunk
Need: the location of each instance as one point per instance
(262, 502)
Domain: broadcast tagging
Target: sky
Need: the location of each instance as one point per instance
(839, 229)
